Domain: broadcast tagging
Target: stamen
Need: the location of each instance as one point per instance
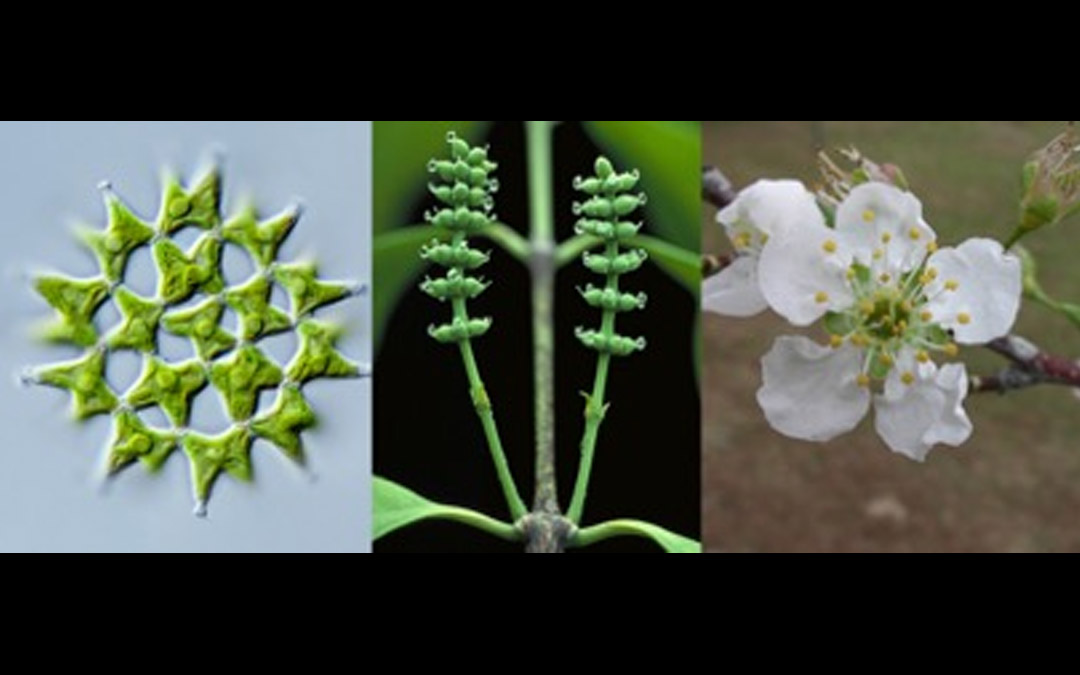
(932, 247)
(836, 342)
(952, 285)
(927, 316)
(964, 318)
(821, 298)
(908, 378)
(923, 357)
(863, 380)
(885, 278)
(829, 246)
(886, 238)
(879, 254)
(915, 234)
(887, 361)
(866, 307)
(869, 215)
(951, 350)
(851, 274)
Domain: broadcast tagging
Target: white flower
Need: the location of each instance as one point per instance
(891, 300)
(762, 211)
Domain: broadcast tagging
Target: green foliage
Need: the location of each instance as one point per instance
(233, 364)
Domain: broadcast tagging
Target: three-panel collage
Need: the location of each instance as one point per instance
(540, 337)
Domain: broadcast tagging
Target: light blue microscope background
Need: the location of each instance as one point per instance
(52, 495)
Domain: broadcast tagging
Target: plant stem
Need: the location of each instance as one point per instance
(542, 268)
(480, 522)
(596, 408)
(483, 410)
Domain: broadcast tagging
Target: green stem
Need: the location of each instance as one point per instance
(480, 522)
(542, 267)
(596, 408)
(484, 411)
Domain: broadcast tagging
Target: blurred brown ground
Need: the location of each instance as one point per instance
(1015, 487)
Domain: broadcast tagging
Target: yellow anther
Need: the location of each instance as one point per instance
(879, 254)
(868, 215)
(951, 350)
(932, 247)
(887, 361)
(886, 238)
(927, 316)
(964, 318)
(859, 340)
(906, 307)
(851, 274)
(821, 298)
(885, 278)
(932, 273)
(908, 378)
(915, 234)
(742, 240)
(952, 285)
(829, 246)
(923, 357)
(764, 239)
(866, 307)
(863, 380)
(836, 342)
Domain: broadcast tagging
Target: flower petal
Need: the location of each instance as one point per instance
(803, 274)
(881, 219)
(811, 392)
(771, 208)
(735, 291)
(930, 411)
(976, 292)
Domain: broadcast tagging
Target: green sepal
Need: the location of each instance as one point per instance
(123, 233)
(863, 274)
(202, 325)
(133, 441)
(460, 330)
(209, 457)
(616, 345)
(318, 356)
(138, 330)
(258, 317)
(85, 379)
(200, 206)
(76, 301)
(240, 378)
(169, 387)
(182, 274)
(879, 367)
(840, 324)
(612, 300)
(460, 255)
(306, 292)
(261, 240)
(630, 261)
(454, 286)
(283, 425)
(936, 335)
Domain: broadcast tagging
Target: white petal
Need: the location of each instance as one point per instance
(771, 208)
(924, 414)
(801, 278)
(811, 392)
(907, 362)
(881, 218)
(987, 295)
(735, 291)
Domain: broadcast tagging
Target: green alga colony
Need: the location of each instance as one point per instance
(190, 302)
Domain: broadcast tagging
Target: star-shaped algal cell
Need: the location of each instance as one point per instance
(242, 377)
(282, 425)
(198, 207)
(209, 457)
(260, 240)
(307, 293)
(169, 387)
(183, 274)
(134, 441)
(85, 379)
(318, 355)
(76, 301)
(258, 318)
(124, 233)
(138, 330)
(202, 324)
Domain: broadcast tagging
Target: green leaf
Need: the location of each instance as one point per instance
(669, 157)
(398, 267)
(682, 265)
(669, 541)
(401, 151)
(396, 507)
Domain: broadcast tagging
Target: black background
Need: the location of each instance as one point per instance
(427, 435)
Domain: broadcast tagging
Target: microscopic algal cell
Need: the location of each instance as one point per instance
(190, 301)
